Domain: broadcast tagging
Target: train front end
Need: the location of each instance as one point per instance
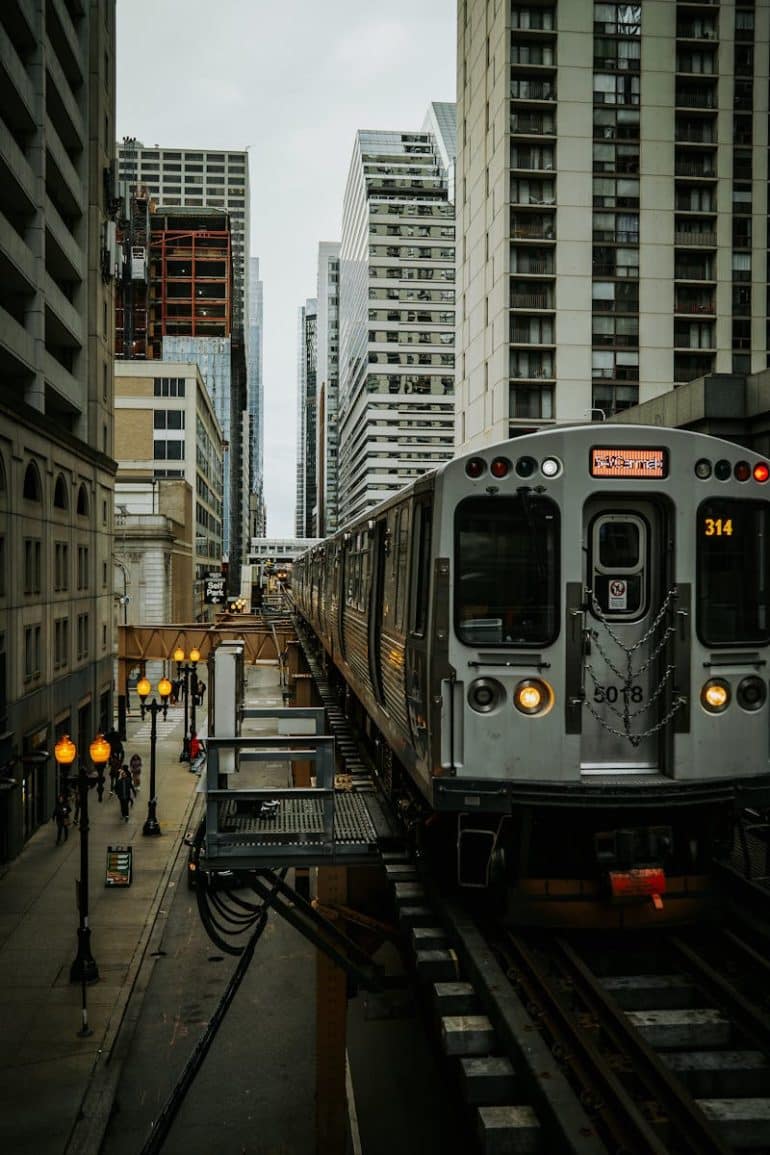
(600, 657)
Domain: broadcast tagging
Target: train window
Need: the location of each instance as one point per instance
(733, 587)
(618, 544)
(421, 567)
(400, 547)
(507, 571)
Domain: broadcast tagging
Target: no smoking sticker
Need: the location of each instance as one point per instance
(618, 599)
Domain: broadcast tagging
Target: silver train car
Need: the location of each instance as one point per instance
(563, 641)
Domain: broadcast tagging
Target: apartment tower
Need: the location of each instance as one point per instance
(612, 205)
(327, 392)
(396, 316)
(307, 374)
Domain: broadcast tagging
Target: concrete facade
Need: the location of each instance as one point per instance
(57, 267)
(612, 205)
(164, 413)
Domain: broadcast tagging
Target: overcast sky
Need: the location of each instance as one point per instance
(292, 81)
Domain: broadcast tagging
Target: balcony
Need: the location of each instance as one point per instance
(696, 98)
(533, 90)
(692, 168)
(535, 300)
(533, 230)
(532, 125)
(687, 238)
(695, 307)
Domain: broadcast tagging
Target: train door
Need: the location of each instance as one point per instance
(625, 669)
(416, 658)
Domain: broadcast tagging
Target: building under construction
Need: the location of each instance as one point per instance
(177, 277)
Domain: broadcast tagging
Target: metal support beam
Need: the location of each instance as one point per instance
(346, 957)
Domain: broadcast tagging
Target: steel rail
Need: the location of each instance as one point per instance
(695, 1132)
(621, 1117)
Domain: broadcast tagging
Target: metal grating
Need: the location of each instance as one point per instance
(298, 820)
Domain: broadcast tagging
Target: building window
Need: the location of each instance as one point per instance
(61, 567)
(82, 636)
(31, 653)
(32, 565)
(82, 501)
(168, 450)
(82, 567)
(168, 418)
(60, 493)
(32, 490)
(61, 643)
(169, 387)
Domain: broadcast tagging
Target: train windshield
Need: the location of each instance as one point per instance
(733, 572)
(507, 571)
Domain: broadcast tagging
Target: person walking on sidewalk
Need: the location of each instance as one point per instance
(197, 753)
(135, 766)
(124, 792)
(61, 815)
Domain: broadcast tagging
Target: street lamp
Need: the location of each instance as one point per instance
(185, 670)
(143, 688)
(84, 967)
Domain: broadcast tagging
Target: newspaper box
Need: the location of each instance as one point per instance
(120, 865)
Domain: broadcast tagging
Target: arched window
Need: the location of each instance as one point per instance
(32, 488)
(60, 493)
(82, 501)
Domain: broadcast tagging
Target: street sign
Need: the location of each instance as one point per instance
(215, 590)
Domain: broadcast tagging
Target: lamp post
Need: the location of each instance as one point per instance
(84, 968)
(143, 688)
(187, 670)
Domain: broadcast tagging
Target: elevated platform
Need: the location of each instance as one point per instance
(251, 827)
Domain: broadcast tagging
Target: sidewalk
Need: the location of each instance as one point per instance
(55, 1087)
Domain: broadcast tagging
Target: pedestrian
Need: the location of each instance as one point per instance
(116, 745)
(61, 815)
(200, 690)
(135, 765)
(116, 762)
(124, 791)
(197, 753)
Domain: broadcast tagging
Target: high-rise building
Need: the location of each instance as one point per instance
(307, 373)
(396, 316)
(58, 259)
(187, 180)
(196, 178)
(328, 369)
(256, 405)
(612, 205)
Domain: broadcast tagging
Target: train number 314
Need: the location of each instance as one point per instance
(612, 693)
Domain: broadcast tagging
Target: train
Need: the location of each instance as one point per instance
(559, 647)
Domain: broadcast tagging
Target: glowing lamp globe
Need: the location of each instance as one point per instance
(100, 750)
(179, 654)
(164, 687)
(143, 687)
(65, 750)
(195, 655)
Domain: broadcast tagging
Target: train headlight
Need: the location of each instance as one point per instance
(475, 466)
(533, 696)
(500, 467)
(703, 469)
(722, 470)
(526, 466)
(715, 696)
(742, 471)
(550, 467)
(752, 693)
(484, 694)
(761, 471)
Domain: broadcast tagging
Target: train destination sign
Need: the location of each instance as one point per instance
(644, 462)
